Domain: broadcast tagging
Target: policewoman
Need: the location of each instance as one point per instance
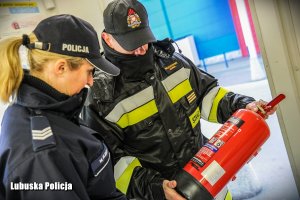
(45, 152)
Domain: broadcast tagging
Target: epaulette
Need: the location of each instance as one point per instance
(42, 135)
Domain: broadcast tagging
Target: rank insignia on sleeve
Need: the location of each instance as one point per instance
(42, 135)
(191, 97)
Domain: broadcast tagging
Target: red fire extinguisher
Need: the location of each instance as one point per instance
(217, 162)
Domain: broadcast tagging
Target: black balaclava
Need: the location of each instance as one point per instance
(133, 68)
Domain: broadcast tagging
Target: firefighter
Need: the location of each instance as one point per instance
(44, 151)
(150, 114)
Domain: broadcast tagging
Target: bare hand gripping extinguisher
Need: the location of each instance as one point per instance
(217, 162)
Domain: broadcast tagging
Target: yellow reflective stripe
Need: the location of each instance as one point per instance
(177, 85)
(228, 196)
(224, 194)
(195, 117)
(213, 112)
(121, 166)
(138, 114)
(123, 181)
(174, 79)
(208, 101)
(142, 105)
(130, 103)
(180, 90)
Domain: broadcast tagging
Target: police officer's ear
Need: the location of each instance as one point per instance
(60, 67)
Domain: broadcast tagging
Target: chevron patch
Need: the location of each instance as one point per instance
(191, 97)
(42, 134)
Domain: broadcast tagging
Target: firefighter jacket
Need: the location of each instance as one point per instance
(46, 154)
(152, 112)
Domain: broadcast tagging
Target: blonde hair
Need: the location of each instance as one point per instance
(11, 72)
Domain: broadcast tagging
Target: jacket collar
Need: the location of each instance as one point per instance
(37, 94)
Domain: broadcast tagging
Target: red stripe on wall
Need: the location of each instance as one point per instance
(238, 27)
(252, 27)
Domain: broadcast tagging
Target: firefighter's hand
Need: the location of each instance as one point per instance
(256, 105)
(170, 192)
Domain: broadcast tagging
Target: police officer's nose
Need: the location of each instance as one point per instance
(90, 81)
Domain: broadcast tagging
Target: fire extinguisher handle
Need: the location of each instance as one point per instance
(275, 101)
(262, 110)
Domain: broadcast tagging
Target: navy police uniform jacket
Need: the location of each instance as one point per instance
(46, 154)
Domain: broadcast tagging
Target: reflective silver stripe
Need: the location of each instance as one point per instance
(103, 166)
(121, 166)
(130, 103)
(222, 194)
(126, 168)
(42, 134)
(171, 81)
(208, 102)
(146, 95)
(188, 72)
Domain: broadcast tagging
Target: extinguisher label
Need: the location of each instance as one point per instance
(205, 153)
(197, 161)
(211, 147)
(236, 121)
(228, 129)
(213, 172)
(219, 143)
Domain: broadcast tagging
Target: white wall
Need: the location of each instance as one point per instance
(2, 109)
(277, 25)
(90, 11)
